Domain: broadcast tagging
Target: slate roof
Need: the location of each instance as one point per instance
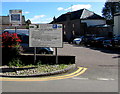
(79, 14)
(5, 20)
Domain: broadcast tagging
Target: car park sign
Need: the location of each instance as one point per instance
(15, 17)
(45, 35)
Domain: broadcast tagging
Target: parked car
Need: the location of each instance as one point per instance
(39, 50)
(98, 42)
(78, 40)
(83, 40)
(87, 40)
(107, 43)
(114, 42)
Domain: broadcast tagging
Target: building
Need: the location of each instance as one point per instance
(116, 31)
(5, 23)
(76, 23)
(101, 30)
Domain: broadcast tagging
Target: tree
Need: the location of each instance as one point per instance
(110, 9)
(27, 23)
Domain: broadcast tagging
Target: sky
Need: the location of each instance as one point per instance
(43, 12)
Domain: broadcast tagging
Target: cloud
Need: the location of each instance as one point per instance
(38, 20)
(60, 8)
(75, 7)
(37, 17)
(81, 6)
(48, 19)
(26, 12)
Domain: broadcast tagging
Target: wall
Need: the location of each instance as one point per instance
(117, 25)
(94, 22)
(99, 31)
(71, 28)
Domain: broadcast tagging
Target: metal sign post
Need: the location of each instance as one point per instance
(15, 29)
(56, 55)
(34, 55)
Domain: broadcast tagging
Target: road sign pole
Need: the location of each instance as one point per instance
(34, 55)
(15, 29)
(56, 55)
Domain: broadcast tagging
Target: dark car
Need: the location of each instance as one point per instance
(98, 42)
(25, 46)
(114, 42)
(39, 50)
(107, 43)
(87, 40)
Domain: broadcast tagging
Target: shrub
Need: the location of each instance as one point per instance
(10, 40)
(15, 62)
(39, 63)
(10, 46)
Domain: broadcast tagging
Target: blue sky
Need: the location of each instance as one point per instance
(43, 12)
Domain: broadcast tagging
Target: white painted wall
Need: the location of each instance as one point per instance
(117, 25)
(94, 22)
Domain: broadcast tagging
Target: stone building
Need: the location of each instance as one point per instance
(116, 31)
(76, 23)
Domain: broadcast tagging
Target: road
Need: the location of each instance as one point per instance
(101, 74)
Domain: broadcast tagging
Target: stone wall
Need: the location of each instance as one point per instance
(99, 31)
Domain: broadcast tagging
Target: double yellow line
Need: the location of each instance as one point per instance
(80, 71)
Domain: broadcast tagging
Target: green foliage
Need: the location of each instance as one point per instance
(28, 22)
(15, 62)
(39, 63)
(30, 65)
(27, 27)
(110, 9)
(62, 66)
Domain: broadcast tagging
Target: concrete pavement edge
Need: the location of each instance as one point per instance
(71, 67)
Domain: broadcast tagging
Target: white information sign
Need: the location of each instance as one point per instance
(15, 17)
(45, 35)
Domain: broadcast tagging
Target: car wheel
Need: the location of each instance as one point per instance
(43, 52)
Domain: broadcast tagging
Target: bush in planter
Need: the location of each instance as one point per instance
(10, 40)
(10, 46)
(15, 62)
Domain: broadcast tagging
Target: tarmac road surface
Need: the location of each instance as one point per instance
(99, 73)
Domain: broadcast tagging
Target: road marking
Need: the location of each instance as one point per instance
(80, 71)
(105, 79)
(78, 78)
